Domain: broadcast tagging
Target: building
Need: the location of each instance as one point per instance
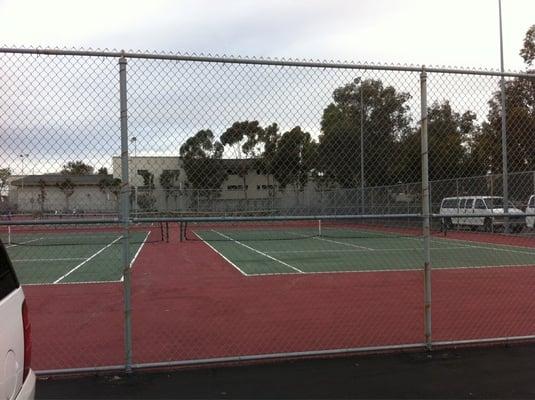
(62, 193)
(245, 187)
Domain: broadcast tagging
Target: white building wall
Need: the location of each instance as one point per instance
(262, 193)
(83, 199)
(155, 165)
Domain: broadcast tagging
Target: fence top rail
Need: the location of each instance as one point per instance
(209, 219)
(276, 218)
(256, 61)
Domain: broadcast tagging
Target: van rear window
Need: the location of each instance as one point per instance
(8, 280)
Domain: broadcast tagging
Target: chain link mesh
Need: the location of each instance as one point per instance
(274, 208)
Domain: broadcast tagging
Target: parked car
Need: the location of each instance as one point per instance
(490, 210)
(530, 209)
(17, 380)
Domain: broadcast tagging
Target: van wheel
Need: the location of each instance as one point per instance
(487, 225)
(445, 224)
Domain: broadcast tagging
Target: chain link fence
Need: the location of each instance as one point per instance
(172, 210)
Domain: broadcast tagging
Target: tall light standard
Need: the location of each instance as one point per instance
(22, 157)
(133, 141)
(504, 128)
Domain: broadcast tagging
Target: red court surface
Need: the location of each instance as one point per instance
(190, 304)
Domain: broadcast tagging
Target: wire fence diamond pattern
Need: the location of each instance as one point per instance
(171, 210)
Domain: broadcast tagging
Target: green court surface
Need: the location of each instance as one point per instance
(51, 258)
(254, 252)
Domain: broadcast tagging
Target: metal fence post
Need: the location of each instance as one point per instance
(425, 212)
(362, 146)
(125, 216)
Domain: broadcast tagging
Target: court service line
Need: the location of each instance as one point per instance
(362, 251)
(28, 241)
(490, 246)
(47, 259)
(137, 253)
(334, 241)
(86, 260)
(224, 258)
(383, 270)
(258, 251)
(464, 241)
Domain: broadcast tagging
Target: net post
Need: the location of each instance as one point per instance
(167, 232)
(125, 215)
(319, 227)
(426, 231)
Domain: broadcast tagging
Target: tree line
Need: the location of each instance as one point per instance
(378, 116)
(362, 112)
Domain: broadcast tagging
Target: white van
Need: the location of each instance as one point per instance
(490, 207)
(530, 209)
(17, 380)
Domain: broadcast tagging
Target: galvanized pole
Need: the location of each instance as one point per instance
(426, 232)
(505, 179)
(361, 148)
(125, 215)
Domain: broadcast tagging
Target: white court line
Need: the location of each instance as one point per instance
(47, 259)
(464, 241)
(137, 253)
(362, 251)
(490, 246)
(68, 283)
(409, 269)
(334, 241)
(28, 241)
(225, 258)
(258, 251)
(86, 261)
(140, 247)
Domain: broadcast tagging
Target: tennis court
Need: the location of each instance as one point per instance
(52, 257)
(297, 250)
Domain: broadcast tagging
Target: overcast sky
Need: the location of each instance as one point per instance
(70, 104)
(431, 32)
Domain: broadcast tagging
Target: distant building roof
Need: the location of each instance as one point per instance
(232, 165)
(53, 179)
(237, 163)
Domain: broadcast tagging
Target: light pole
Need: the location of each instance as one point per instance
(133, 141)
(22, 157)
(504, 128)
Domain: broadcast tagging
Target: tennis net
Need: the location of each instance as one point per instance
(82, 235)
(251, 230)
